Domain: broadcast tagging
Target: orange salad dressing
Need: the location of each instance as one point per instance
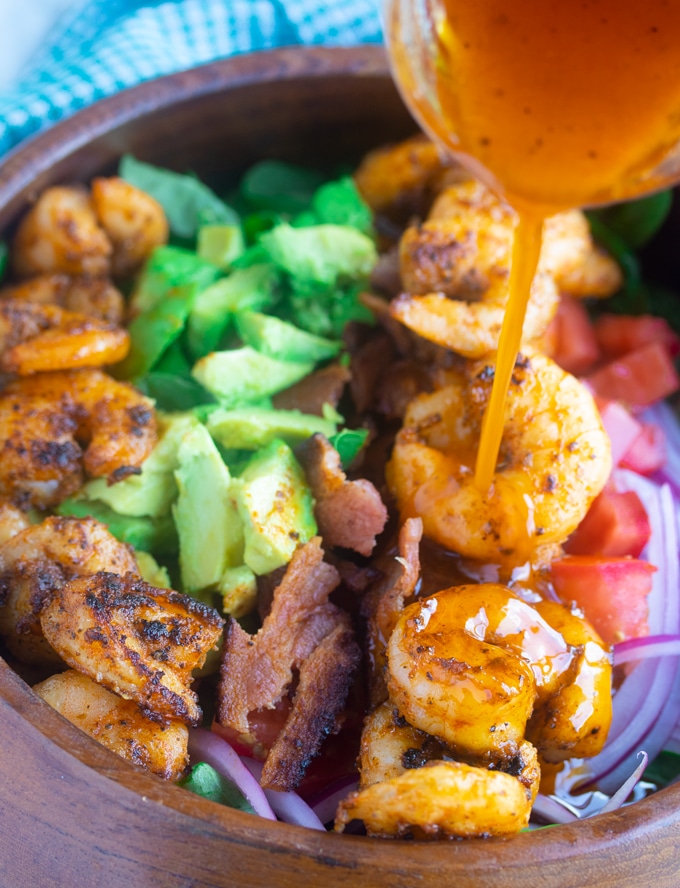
(555, 105)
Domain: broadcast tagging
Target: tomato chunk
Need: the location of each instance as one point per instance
(647, 453)
(616, 525)
(612, 592)
(639, 378)
(621, 426)
(617, 335)
(574, 346)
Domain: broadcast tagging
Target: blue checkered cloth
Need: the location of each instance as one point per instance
(102, 46)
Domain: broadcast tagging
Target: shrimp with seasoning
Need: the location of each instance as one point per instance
(36, 560)
(38, 338)
(555, 458)
(60, 233)
(134, 222)
(469, 665)
(138, 641)
(119, 725)
(455, 270)
(47, 417)
(95, 297)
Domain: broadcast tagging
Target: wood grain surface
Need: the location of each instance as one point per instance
(73, 815)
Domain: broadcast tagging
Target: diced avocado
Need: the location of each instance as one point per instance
(251, 428)
(246, 288)
(241, 375)
(208, 524)
(276, 506)
(220, 244)
(152, 572)
(152, 492)
(238, 588)
(279, 339)
(147, 534)
(166, 268)
(321, 253)
(340, 203)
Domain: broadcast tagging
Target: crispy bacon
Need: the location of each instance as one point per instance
(306, 637)
(385, 601)
(325, 678)
(349, 513)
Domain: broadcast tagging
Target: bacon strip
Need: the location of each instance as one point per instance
(349, 513)
(385, 601)
(325, 679)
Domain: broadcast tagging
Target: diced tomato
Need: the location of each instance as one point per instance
(612, 592)
(621, 426)
(639, 378)
(647, 453)
(265, 726)
(616, 525)
(619, 334)
(574, 346)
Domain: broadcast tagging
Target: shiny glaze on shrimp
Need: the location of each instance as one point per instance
(138, 641)
(37, 338)
(46, 418)
(555, 458)
(95, 297)
(119, 725)
(37, 560)
(455, 269)
(469, 664)
(134, 222)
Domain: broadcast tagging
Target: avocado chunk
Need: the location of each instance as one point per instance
(151, 571)
(241, 375)
(251, 428)
(320, 253)
(276, 506)
(278, 339)
(220, 244)
(238, 588)
(208, 524)
(152, 492)
(167, 268)
(245, 288)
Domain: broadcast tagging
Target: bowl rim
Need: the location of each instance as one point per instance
(655, 819)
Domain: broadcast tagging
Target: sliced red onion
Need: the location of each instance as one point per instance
(621, 427)
(624, 791)
(205, 746)
(325, 804)
(288, 806)
(645, 648)
(663, 415)
(647, 703)
(553, 810)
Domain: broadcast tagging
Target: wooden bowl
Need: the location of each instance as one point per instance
(72, 814)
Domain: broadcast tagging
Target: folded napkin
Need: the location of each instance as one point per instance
(102, 46)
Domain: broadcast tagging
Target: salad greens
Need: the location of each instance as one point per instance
(239, 307)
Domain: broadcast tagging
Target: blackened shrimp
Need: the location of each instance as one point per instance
(138, 641)
(555, 458)
(37, 338)
(46, 421)
(37, 560)
(119, 725)
(95, 297)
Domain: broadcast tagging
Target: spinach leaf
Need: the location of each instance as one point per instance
(279, 187)
(207, 783)
(348, 443)
(188, 203)
(637, 221)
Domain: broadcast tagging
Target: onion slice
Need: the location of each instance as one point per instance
(553, 810)
(625, 790)
(288, 806)
(649, 646)
(325, 804)
(207, 747)
(647, 703)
